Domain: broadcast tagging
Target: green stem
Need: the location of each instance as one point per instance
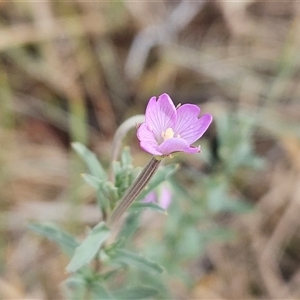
(134, 189)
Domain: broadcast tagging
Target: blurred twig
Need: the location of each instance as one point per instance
(159, 34)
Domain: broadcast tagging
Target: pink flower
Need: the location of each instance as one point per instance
(163, 197)
(168, 130)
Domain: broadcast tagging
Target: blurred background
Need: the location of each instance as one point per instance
(74, 71)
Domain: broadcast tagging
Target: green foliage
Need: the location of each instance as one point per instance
(75, 287)
(138, 293)
(236, 148)
(130, 259)
(189, 226)
(160, 176)
(90, 159)
(129, 228)
(88, 249)
(106, 193)
(80, 285)
(99, 291)
(124, 172)
(113, 257)
(131, 223)
(139, 206)
(53, 232)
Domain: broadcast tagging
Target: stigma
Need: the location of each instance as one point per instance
(168, 134)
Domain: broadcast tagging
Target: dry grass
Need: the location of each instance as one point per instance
(65, 62)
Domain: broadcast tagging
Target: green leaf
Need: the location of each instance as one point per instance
(129, 227)
(90, 159)
(124, 172)
(106, 187)
(136, 293)
(74, 287)
(126, 158)
(138, 206)
(109, 274)
(160, 176)
(88, 249)
(92, 181)
(100, 292)
(131, 259)
(107, 193)
(124, 176)
(53, 232)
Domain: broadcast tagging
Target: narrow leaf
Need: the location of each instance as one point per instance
(74, 287)
(138, 206)
(90, 159)
(126, 158)
(88, 249)
(129, 227)
(92, 181)
(129, 258)
(107, 193)
(53, 232)
(100, 292)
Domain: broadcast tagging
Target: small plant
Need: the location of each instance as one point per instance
(102, 262)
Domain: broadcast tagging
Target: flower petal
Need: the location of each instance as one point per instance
(150, 197)
(152, 149)
(160, 115)
(165, 198)
(188, 126)
(176, 145)
(145, 134)
(147, 140)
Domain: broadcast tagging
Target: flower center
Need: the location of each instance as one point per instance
(168, 134)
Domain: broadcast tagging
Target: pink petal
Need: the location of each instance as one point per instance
(188, 126)
(160, 115)
(176, 145)
(145, 134)
(150, 197)
(165, 197)
(147, 140)
(152, 149)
